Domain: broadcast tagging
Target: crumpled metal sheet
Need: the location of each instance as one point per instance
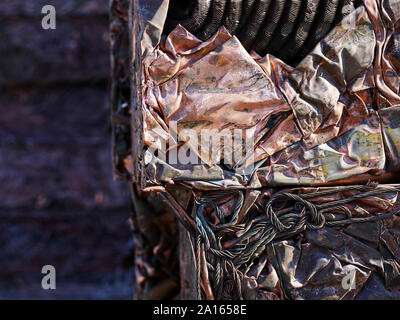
(150, 16)
(214, 85)
(298, 115)
(313, 262)
(314, 267)
(357, 151)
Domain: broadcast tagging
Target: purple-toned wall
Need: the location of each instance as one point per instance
(58, 202)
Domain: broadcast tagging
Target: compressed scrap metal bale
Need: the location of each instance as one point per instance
(332, 120)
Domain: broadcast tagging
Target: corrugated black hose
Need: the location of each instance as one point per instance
(288, 29)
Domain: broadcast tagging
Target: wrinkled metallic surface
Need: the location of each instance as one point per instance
(311, 262)
(312, 124)
(358, 151)
(332, 120)
(311, 267)
(270, 249)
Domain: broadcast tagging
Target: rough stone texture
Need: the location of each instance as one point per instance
(58, 202)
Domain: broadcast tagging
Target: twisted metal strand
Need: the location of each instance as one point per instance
(285, 223)
(198, 268)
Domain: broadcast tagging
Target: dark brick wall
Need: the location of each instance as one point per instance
(58, 202)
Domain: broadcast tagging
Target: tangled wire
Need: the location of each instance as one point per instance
(222, 264)
(288, 29)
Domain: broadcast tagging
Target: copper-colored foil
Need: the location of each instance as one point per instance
(313, 124)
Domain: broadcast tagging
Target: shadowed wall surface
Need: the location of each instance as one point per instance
(59, 204)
